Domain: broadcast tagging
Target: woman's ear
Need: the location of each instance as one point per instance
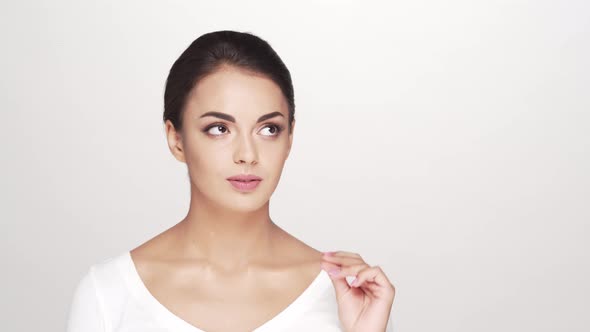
(174, 141)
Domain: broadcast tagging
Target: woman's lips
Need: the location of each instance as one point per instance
(245, 186)
(244, 177)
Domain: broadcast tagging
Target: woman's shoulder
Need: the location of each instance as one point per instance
(301, 259)
(101, 292)
(296, 246)
(107, 274)
(294, 250)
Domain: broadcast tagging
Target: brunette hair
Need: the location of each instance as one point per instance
(214, 49)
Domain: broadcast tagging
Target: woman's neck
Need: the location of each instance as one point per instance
(230, 240)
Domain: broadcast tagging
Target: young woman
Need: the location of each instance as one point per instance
(229, 116)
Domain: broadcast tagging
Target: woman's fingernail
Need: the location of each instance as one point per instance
(334, 272)
(328, 253)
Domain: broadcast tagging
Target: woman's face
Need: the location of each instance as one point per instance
(235, 123)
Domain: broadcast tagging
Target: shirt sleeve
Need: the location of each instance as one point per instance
(86, 313)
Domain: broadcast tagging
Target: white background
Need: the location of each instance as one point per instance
(446, 141)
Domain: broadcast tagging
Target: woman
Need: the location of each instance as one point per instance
(229, 115)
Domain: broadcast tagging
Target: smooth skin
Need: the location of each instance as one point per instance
(365, 304)
(226, 256)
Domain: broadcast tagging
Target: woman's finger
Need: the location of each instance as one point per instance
(341, 253)
(343, 260)
(341, 285)
(349, 270)
(375, 275)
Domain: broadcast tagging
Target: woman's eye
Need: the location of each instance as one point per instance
(218, 128)
(275, 130)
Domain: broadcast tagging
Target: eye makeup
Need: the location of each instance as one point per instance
(278, 128)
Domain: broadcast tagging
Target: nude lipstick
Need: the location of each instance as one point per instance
(244, 182)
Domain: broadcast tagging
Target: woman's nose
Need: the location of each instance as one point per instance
(245, 151)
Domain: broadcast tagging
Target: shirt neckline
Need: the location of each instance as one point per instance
(168, 319)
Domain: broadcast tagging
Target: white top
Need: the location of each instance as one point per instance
(111, 297)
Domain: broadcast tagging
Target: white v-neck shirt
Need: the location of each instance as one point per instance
(111, 297)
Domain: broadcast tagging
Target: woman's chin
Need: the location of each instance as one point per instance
(246, 204)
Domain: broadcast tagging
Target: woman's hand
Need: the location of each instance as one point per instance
(365, 306)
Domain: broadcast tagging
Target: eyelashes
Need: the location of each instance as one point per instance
(278, 129)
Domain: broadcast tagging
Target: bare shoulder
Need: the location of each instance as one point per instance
(298, 254)
(295, 246)
(152, 255)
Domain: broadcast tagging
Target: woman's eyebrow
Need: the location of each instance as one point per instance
(230, 118)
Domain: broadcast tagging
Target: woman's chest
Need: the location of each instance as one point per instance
(224, 305)
(227, 314)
